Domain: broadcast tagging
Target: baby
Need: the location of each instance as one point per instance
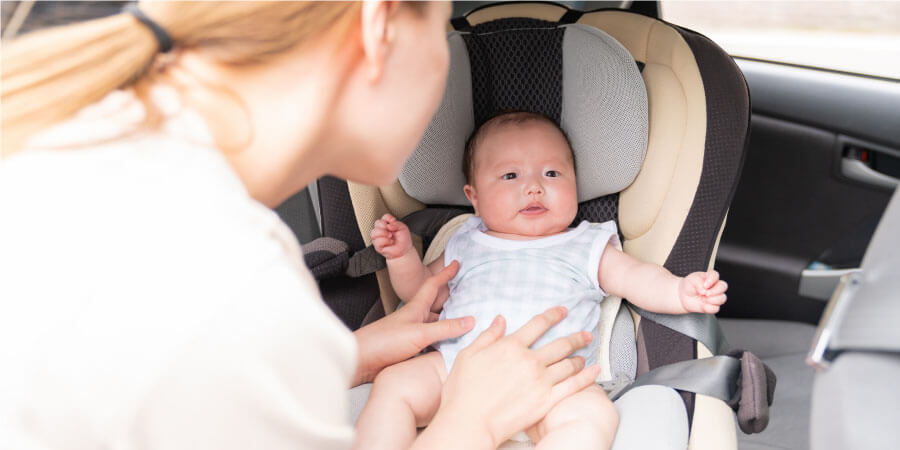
(518, 257)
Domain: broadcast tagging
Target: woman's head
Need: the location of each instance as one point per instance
(376, 79)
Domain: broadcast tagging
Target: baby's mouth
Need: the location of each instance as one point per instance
(533, 209)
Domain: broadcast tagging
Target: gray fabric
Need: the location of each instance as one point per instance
(713, 376)
(326, 257)
(622, 348)
(651, 417)
(325, 244)
(364, 262)
(358, 397)
(433, 173)
(604, 111)
(769, 338)
(870, 322)
(782, 346)
(701, 327)
(855, 403)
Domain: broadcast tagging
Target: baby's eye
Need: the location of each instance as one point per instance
(552, 173)
(509, 176)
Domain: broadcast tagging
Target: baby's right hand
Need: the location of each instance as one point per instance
(391, 237)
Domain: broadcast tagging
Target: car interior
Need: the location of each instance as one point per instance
(779, 176)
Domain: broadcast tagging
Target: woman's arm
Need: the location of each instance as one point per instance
(652, 287)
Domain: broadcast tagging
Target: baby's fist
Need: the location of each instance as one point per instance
(391, 237)
(702, 292)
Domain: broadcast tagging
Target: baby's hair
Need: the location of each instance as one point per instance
(501, 119)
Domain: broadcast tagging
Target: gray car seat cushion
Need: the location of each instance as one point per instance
(855, 403)
(433, 173)
(649, 417)
(604, 113)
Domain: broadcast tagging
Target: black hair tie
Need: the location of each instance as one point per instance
(162, 38)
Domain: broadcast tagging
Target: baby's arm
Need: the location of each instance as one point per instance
(652, 287)
(392, 239)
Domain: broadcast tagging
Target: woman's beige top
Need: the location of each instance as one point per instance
(146, 301)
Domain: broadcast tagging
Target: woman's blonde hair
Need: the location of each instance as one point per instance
(47, 76)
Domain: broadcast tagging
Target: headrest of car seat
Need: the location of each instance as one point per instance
(575, 74)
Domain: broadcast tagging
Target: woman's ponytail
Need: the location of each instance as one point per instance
(49, 75)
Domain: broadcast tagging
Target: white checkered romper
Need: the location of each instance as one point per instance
(521, 279)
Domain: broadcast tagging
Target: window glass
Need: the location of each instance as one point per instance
(851, 36)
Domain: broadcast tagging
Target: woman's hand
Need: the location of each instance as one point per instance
(405, 332)
(499, 386)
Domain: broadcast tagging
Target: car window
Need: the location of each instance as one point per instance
(850, 36)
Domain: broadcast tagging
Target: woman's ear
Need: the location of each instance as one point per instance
(472, 195)
(377, 33)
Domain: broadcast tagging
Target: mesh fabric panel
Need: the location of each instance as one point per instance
(516, 70)
(727, 130)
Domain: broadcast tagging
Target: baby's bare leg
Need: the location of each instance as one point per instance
(405, 396)
(585, 420)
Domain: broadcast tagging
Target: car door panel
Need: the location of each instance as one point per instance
(798, 207)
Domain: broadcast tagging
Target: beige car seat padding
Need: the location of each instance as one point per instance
(540, 11)
(653, 209)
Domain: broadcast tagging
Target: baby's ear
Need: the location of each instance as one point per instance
(469, 190)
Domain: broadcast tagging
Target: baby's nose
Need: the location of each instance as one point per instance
(535, 188)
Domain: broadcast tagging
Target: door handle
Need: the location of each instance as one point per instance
(859, 171)
(860, 161)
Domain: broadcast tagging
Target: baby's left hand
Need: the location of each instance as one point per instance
(702, 292)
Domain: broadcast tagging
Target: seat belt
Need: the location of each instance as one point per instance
(739, 379)
(703, 328)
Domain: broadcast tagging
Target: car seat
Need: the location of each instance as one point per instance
(695, 127)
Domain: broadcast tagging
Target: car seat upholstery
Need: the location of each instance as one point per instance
(671, 214)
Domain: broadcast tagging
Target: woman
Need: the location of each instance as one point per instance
(152, 300)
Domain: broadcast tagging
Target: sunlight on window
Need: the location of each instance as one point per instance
(857, 36)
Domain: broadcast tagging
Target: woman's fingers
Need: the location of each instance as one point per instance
(428, 292)
(488, 336)
(564, 369)
(574, 384)
(563, 347)
(446, 329)
(538, 325)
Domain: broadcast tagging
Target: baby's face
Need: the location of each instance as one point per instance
(524, 180)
